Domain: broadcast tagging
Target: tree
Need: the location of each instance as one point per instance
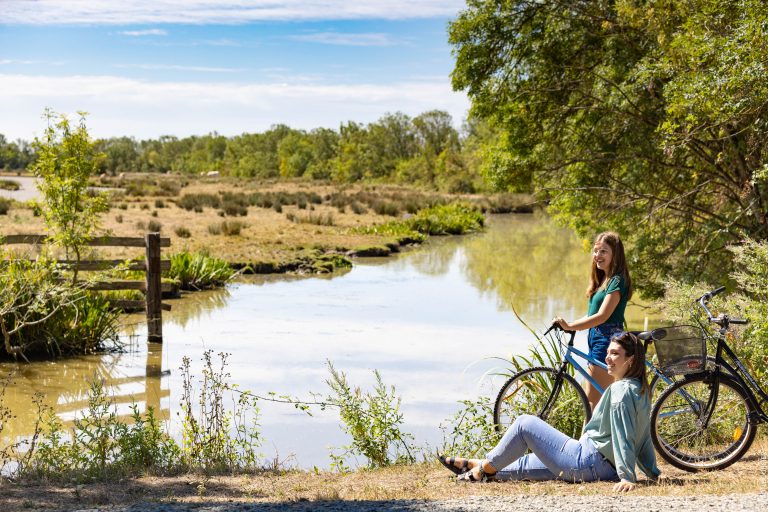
(66, 159)
(647, 117)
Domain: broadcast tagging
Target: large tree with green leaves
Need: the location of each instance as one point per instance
(65, 160)
(645, 116)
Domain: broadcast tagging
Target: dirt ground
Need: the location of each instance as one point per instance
(427, 481)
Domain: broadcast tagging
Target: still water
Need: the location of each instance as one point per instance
(434, 321)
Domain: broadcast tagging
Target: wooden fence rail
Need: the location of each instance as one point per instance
(152, 266)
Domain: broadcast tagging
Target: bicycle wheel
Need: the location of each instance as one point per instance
(528, 391)
(681, 439)
(657, 385)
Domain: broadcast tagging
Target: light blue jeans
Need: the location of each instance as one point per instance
(555, 455)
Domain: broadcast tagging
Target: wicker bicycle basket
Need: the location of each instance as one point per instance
(680, 349)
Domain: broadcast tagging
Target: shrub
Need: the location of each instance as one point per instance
(198, 271)
(197, 202)
(385, 208)
(9, 185)
(318, 219)
(182, 232)
(119, 218)
(226, 227)
(5, 205)
(450, 219)
(154, 226)
(214, 229)
(373, 420)
(159, 203)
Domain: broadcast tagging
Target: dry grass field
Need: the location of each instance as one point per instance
(313, 216)
(426, 481)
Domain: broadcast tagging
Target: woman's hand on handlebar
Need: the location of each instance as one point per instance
(564, 325)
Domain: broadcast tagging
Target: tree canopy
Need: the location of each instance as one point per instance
(643, 116)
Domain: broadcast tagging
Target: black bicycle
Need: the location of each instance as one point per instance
(708, 419)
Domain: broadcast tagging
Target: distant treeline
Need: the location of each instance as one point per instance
(425, 150)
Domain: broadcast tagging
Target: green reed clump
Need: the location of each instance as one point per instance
(9, 185)
(448, 219)
(386, 208)
(215, 438)
(197, 202)
(44, 314)
(100, 444)
(5, 205)
(373, 420)
(198, 271)
(318, 219)
(182, 232)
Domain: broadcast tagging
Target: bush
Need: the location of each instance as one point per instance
(154, 226)
(372, 419)
(449, 219)
(42, 315)
(9, 185)
(197, 202)
(5, 205)
(198, 271)
(182, 232)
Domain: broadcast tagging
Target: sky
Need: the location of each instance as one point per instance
(147, 68)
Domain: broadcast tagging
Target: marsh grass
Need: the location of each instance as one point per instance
(9, 185)
(318, 219)
(198, 271)
(5, 205)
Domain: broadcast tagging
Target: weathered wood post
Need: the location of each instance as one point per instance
(154, 289)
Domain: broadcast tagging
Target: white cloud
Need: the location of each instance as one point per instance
(124, 106)
(120, 12)
(337, 38)
(176, 67)
(141, 33)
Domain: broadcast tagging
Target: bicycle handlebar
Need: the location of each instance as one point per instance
(721, 320)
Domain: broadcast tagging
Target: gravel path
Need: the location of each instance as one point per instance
(624, 503)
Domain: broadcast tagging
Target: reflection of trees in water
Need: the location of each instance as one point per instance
(194, 305)
(529, 262)
(433, 258)
(64, 385)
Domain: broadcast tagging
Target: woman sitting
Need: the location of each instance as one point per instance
(615, 440)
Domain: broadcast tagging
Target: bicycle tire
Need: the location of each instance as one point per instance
(527, 391)
(682, 442)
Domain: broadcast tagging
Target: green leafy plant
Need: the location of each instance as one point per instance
(216, 438)
(197, 271)
(373, 420)
(66, 160)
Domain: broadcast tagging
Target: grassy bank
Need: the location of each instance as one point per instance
(413, 482)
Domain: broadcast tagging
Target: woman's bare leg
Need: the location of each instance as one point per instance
(602, 378)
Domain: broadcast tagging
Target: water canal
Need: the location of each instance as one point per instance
(432, 320)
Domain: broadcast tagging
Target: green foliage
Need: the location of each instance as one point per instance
(373, 420)
(471, 431)
(9, 185)
(66, 159)
(100, 443)
(216, 438)
(642, 117)
(42, 315)
(198, 271)
(5, 205)
(449, 219)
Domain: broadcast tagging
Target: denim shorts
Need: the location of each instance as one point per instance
(600, 337)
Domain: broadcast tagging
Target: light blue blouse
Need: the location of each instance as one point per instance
(621, 429)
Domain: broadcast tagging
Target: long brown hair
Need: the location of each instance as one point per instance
(634, 348)
(598, 278)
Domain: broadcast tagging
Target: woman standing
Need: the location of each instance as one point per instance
(614, 441)
(610, 288)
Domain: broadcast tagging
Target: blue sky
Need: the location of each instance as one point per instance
(181, 67)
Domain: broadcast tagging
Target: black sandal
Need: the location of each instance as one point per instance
(449, 463)
(470, 477)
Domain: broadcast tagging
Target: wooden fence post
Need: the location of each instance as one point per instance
(154, 289)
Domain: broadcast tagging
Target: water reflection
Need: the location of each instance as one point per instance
(429, 319)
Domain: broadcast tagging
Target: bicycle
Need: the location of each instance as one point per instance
(708, 420)
(552, 393)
